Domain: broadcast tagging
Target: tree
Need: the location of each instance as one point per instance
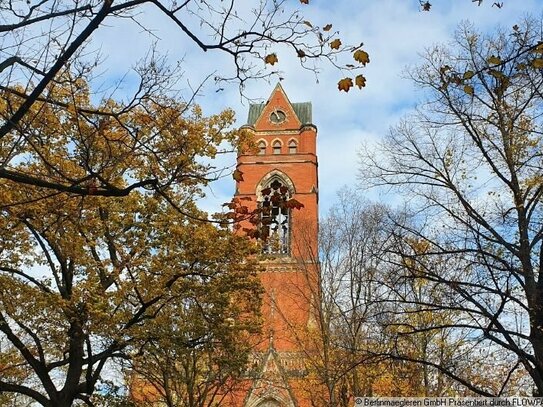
(48, 65)
(345, 347)
(82, 277)
(470, 161)
(200, 347)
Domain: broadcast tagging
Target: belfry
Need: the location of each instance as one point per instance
(283, 167)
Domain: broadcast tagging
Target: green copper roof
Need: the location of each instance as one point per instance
(302, 110)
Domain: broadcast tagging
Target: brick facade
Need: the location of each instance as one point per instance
(286, 152)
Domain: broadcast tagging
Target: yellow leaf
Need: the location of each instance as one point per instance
(335, 44)
(327, 27)
(345, 84)
(537, 63)
(494, 60)
(468, 89)
(362, 57)
(538, 49)
(237, 175)
(271, 59)
(360, 81)
(468, 75)
(496, 74)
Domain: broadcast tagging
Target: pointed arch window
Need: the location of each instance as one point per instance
(277, 147)
(262, 147)
(292, 147)
(275, 218)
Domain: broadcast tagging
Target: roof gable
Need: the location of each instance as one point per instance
(297, 114)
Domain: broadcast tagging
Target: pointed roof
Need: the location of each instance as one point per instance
(303, 111)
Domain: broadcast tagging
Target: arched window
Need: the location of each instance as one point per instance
(262, 147)
(275, 218)
(277, 147)
(292, 147)
(270, 403)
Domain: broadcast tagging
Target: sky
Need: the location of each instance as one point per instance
(394, 33)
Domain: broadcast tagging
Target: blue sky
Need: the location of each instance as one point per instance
(394, 33)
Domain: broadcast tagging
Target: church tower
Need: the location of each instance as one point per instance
(283, 167)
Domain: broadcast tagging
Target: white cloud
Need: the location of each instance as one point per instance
(394, 33)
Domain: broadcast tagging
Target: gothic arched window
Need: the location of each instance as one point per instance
(262, 147)
(292, 147)
(275, 218)
(270, 403)
(277, 147)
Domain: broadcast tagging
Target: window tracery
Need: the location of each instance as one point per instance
(275, 218)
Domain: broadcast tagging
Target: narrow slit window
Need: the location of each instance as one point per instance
(277, 147)
(292, 147)
(262, 148)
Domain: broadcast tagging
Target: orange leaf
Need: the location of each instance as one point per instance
(335, 44)
(271, 59)
(345, 84)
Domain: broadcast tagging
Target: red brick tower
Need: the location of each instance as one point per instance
(286, 164)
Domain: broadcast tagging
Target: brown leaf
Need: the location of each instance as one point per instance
(494, 60)
(300, 53)
(304, 1)
(360, 81)
(468, 75)
(308, 24)
(361, 56)
(327, 27)
(496, 74)
(468, 89)
(237, 175)
(538, 49)
(271, 59)
(335, 44)
(537, 63)
(293, 204)
(345, 84)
